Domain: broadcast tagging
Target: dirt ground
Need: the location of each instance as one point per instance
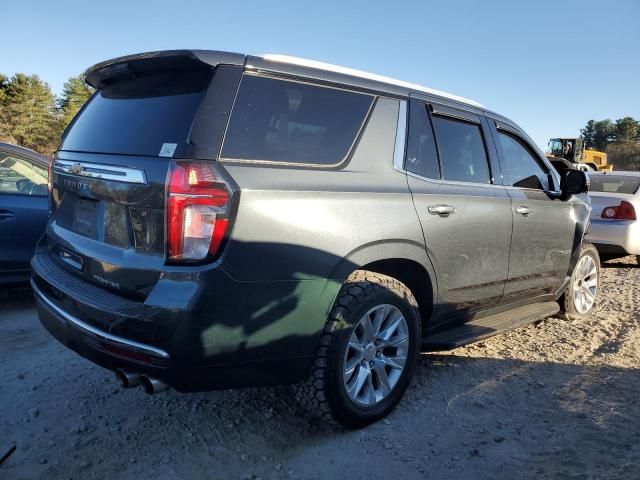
(556, 399)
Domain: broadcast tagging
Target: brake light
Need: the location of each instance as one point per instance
(197, 211)
(624, 211)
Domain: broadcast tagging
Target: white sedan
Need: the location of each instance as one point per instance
(615, 202)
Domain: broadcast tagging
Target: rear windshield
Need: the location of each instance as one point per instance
(614, 184)
(149, 115)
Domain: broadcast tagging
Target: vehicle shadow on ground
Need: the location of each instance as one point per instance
(501, 415)
(621, 262)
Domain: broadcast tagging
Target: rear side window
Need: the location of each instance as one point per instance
(614, 183)
(284, 121)
(422, 157)
(519, 167)
(144, 115)
(462, 153)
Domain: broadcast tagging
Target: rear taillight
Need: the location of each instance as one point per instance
(197, 211)
(624, 211)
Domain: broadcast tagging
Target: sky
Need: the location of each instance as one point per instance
(548, 65)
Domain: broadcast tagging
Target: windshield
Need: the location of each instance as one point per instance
(149, 115)
(614, 184)
(556, 147)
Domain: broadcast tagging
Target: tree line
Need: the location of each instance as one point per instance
(619, 139)
(31, 115)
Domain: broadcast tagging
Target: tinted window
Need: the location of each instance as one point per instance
(20, 176)
(614, 183)
(422, 158)
(139, 116)
(283, 121)
(462, 154)
(519, 167)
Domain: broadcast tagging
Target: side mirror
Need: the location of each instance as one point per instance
(574, 182)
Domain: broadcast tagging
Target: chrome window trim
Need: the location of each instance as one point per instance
(400, 146)
(100, 171)
(454, 182)
(94, 332)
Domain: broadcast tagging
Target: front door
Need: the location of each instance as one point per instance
(543, 228)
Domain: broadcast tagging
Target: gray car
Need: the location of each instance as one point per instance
(615, 199)
(223, 220)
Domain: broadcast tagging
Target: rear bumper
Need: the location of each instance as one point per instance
(611, 236)
(194, 349)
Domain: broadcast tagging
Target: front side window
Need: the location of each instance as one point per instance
(291, 122)
(463, 156)
(519, 167)
(20, 176)
(422, 157)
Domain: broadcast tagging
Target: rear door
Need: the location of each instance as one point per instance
(465, 216)
(543, 228)
(23, 208)
(110, 173)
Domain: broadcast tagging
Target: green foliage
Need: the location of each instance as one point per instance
(626, 131)
(32, 116)
(74, 95)
(29, 114)
(598, 134)
(621, 141)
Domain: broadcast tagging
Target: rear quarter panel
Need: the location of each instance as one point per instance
(304, 230)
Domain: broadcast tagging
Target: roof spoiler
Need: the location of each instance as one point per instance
(100, 74)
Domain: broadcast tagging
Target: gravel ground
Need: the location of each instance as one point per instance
(557, 399)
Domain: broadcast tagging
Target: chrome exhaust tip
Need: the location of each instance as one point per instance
(127, 378)
(151, 385)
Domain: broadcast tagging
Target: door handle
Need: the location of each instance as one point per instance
(524, 211)
(442, 210)
(6, 215)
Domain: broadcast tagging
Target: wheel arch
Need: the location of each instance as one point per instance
(403, 260)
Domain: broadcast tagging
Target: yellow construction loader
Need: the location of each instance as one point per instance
(572, 149)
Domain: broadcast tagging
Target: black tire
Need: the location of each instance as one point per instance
(567, 304)
(323, 392)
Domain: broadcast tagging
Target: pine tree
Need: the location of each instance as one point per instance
(626, 131)
(74, 95)
(31, 116)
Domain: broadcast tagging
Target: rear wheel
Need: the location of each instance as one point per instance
(367, 354)
(581, 293)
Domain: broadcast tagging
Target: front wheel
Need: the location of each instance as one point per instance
(368, 352)
(581, 293)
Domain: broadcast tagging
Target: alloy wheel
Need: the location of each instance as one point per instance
(376, 355)
(585, 284)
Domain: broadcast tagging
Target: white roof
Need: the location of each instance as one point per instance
(303, 62)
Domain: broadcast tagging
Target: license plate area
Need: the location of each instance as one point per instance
(101, 220)
(86, 216)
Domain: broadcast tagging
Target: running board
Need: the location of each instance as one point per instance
(486, 327)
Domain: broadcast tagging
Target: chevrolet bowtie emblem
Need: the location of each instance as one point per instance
(76, 169)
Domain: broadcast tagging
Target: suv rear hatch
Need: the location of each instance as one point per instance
(121, 171)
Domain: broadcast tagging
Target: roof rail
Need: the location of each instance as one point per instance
(303, 62)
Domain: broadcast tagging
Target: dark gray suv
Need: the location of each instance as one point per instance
(222, 220)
